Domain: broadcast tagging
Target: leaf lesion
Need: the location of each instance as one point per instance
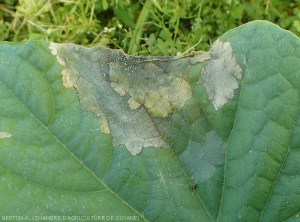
(130, 92)
(150, 85)
(5, 135)
(221, 75)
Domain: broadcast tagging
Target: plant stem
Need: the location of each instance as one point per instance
(138, 31)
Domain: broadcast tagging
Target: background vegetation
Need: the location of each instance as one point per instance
(156, 27)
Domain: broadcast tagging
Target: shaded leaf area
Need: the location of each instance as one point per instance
(97, 132)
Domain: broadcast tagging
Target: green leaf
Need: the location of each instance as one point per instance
(95, 134)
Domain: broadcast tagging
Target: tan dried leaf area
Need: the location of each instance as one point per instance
(126, 93)
(221, 75)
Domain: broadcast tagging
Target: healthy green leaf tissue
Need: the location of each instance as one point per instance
(95, 134)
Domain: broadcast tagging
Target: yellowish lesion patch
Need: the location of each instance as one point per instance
(157, 105)
(180, 92)
(161, 101)
(104, 125)
(67, 77)
(5, 135)
(118, 88)
(133, 104)
(150, 85)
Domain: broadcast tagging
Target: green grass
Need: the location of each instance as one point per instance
(150, 27)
